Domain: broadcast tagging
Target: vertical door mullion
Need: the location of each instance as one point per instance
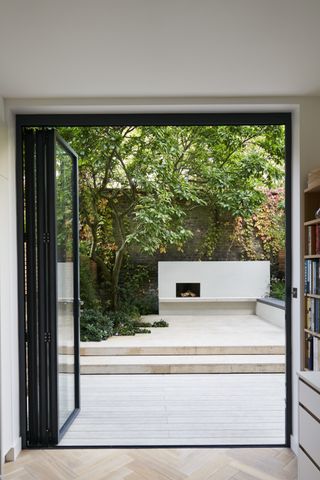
(76, 286)
(31, 278)
(52, 287)
(42, 287)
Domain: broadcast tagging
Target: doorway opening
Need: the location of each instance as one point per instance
(199, 287)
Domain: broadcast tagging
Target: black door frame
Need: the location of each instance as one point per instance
(41, 328)
(154, 119)
(56, 139)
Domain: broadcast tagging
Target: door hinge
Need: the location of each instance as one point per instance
(47, 337)
(46, 237)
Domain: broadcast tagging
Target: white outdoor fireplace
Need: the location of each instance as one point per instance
(185, 290)
(207, 287)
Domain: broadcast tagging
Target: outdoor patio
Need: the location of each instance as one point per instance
(191, 344)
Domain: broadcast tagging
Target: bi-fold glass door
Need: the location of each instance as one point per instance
(51, 285)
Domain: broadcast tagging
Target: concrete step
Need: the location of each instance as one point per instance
(102, 349)
(182, 364)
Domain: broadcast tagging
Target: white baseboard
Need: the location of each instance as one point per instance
(14, 451)
(294, 444)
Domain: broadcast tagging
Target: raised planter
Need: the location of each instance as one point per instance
(271, 310)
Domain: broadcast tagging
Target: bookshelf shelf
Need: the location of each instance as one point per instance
(316, 221)
(311, 332)
(311, 256)
(311, 295)
(313, 188)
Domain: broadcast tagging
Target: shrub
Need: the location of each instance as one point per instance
(160, 324)
(126, 322)
(147, 304)
(143, 324)
(130, 329)
(95, 326)
(278, 289)
(126, 330)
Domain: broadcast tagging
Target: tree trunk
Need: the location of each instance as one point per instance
(115, 278)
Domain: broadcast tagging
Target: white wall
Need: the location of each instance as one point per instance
(217, 279)
(9, 385)
(306, 155)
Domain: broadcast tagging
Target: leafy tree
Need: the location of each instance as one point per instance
(137, 183)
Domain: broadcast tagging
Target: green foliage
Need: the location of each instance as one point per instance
(278, 288)
(127, 322)
(64, 206)
(143, 324)
(147, 304)
(129, 329)
(267, 225)
(135, 290)
(160, 324)
(270, 222)
(88, 285)
(94, 326)
(137, 184)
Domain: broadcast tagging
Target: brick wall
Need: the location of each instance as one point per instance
(200, 220)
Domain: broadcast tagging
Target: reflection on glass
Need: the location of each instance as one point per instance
(65, 286)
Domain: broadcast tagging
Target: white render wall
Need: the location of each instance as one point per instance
(271, 314)
(217, 279)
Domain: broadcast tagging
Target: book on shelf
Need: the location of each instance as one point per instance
(316, 353)
(310, 353)
(312, 277)
(308, 313)
(317, 240)
(313, 240)
(313, 314)
(313, 353)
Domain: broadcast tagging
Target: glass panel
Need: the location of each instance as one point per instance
(65, 284)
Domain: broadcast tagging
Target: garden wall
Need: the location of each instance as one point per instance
(213, 239)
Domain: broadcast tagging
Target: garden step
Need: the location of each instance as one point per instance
(164, 364)
(102, 349)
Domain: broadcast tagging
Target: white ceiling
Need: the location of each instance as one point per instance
(106, 48)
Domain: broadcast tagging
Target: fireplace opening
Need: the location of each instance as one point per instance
(187, 290)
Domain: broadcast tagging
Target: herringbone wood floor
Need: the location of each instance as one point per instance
(154, 464)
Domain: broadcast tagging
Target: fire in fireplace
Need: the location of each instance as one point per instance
(187, 290)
